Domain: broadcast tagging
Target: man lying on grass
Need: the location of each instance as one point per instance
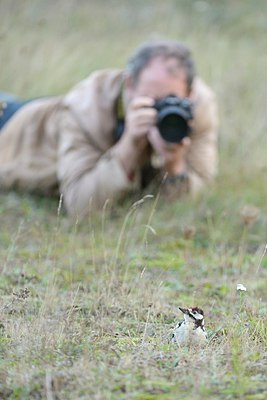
(115, 132)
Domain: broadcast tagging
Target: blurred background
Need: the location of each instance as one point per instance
(85, 311)
(47, 46)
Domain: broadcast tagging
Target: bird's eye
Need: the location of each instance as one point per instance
(194, 312)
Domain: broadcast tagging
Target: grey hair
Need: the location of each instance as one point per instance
(165, 49)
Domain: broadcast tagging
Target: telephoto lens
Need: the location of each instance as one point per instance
(173, 116)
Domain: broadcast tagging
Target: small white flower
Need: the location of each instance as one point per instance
(239, 286)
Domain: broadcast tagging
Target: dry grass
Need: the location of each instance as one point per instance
(85, 311)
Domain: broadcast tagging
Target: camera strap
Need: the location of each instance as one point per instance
(120, 116)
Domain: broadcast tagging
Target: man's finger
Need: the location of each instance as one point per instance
(186, 142)
(142, 101)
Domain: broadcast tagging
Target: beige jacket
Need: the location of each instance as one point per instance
(65, 144)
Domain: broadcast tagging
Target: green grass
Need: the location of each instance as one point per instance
(86, 311)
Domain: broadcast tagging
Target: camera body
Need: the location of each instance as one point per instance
(173, 116)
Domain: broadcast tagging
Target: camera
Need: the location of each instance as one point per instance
(173, 116)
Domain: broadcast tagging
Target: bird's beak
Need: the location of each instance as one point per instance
(184, 310)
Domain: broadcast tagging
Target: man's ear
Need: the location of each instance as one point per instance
(129, 83)
(190, 93)
(128, 88)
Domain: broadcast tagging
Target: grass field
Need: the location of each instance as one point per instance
(86, 310)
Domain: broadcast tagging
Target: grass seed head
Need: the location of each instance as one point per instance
(189, 232)
(249, 214)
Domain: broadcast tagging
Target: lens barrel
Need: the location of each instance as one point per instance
(173, 116)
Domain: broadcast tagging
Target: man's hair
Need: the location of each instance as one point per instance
(165, 49)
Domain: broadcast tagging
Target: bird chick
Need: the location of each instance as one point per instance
(191, 330)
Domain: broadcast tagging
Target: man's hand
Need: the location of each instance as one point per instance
(140, 118)
(173, 155)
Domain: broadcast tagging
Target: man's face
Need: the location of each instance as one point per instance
(160, 78)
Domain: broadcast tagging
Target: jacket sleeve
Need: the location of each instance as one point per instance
(87, 176)
(203, 153)
(202, 158)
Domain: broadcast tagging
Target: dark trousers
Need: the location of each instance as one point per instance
(9, 104)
